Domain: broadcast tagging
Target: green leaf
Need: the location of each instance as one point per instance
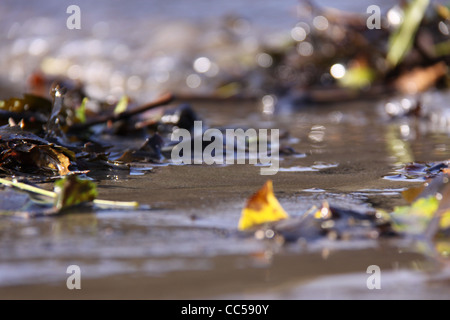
(71, 190)
(121, 105)
(414, 219)
(80, 113)
(402, 39)
(357, 77)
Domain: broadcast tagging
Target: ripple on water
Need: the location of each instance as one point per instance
(315, 167)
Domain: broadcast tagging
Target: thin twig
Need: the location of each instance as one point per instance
(51, 194)
(27, 187)
(164, 99)
(109, 203)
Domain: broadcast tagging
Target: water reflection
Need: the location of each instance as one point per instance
(317, 133)
(398, 147)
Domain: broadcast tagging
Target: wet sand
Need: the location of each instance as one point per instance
(186, 246)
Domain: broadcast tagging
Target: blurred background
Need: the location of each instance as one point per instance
(142, 48)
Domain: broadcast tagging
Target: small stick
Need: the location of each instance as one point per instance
(164, 99)
(27, 187)
(108, 203)
(51, 194)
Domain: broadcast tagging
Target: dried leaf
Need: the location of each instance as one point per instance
(411, 194)
(150, 151)
(47, 156)
(443, 11)
(21, 151)
(420, 79)
(261, 207)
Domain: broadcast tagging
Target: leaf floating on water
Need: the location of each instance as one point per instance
(429, 213)
(414, 219)
(415, 171)
(261, 207)
(71, 190)
(411, 194)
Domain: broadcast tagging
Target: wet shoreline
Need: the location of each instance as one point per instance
(189, 231)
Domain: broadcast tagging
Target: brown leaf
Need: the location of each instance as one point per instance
(411, 194)
(420, 79)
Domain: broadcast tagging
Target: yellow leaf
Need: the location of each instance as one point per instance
(443, 247)
(415, 218)
(445, 220)
(121, 105)
(261, 207)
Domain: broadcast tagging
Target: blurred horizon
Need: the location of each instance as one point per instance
(142, 48)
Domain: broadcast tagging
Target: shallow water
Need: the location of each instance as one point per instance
(185, 244)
